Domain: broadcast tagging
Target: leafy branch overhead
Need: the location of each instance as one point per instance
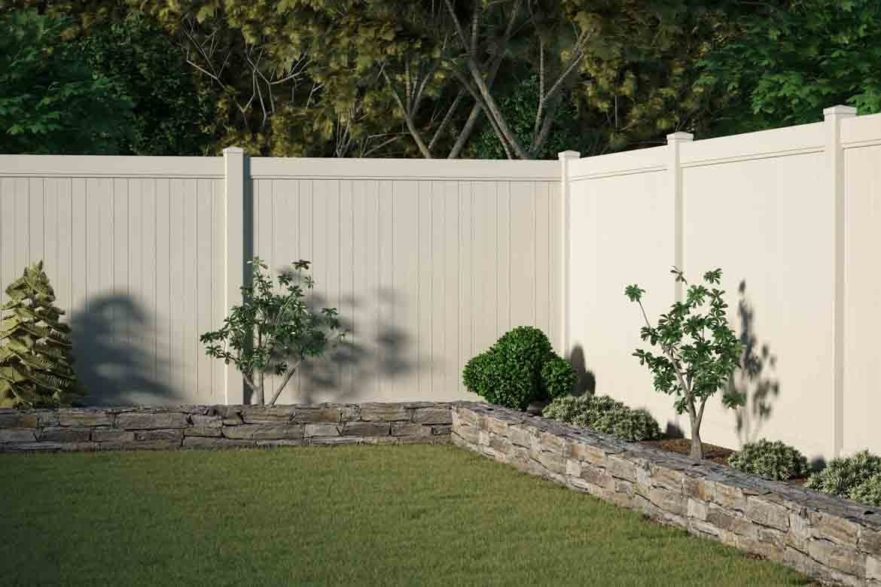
(698, 349)
(274, 330)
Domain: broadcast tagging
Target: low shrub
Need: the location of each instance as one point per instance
(520, 368)
(558, 377)
(869, 491)
(771, 460)
(604, 414)
(857, 477)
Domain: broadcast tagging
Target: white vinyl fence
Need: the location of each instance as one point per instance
(427, 261)
(430, 261)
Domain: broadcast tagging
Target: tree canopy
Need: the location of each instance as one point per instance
(419, 78)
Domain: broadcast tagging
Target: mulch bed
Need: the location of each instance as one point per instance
(716, 454)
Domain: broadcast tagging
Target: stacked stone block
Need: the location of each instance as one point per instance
(72, 429)
(830, 539)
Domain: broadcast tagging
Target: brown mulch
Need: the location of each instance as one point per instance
(716, 454)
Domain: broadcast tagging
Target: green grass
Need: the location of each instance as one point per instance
(343, 515)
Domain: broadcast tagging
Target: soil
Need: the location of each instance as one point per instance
(716, 454)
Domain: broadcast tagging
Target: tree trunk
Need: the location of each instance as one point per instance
(697, 449)
(260, 396)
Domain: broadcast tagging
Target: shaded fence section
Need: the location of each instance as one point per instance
(427, 261)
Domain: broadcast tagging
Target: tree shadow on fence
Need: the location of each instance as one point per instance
(109, 362)
(753, 384)
(373, 350)
(585, 381)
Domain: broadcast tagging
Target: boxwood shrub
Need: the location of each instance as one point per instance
(857, 477)
(604, 414)
(771, 460)
(520, 368)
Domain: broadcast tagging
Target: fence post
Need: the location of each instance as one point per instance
(674, 168)
(565, 157)
(234, 262)
(835, 174)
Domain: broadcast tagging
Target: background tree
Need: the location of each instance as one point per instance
(50, 99)
(36, 368)
(793, 59)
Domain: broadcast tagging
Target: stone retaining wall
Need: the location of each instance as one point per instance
(827, 538)
(222, 426)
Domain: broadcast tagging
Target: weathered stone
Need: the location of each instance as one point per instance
(597, 476)
(16, 419)
(870, 542)
(173, 435)
(112, 435)
(17, 435)
(698, 488)
(666, 477)
(59, 434)
(73, 417)
(466, 435)
(520, 436)
(322, 429)
(432, 415)
(727, 520)
(873, 568)
(766, 513)
(266, 414)
(729, 497)
(151, 421)
(264, 431)
(201, 421)
(441, 429)
(834, 528)
(205, 431)
(573, 468)
(551, 443)
(620, 467)
(671, 502)
(800, 531)
(846, 560)
(554, 463)
(410, 429)
(366, 429)
(376, 412)
(697, 509)
(586, 452)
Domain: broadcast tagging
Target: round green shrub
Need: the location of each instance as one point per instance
(512, 372)
(558, 377)
(842, 476)
(869, 491)
(771, 460)
(604, 414)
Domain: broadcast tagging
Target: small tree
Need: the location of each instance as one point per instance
(699, 350)
(273, 331)
(36, 369)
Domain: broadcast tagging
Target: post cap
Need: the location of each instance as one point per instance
(680, 136)
(839, 110)
(568, 155)
(233, 151)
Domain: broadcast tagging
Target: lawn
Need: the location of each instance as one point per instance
(340, 515)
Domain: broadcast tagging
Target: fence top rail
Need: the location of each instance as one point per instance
(403, 169)
(109, 166)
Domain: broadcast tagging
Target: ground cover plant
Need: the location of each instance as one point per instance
(520, 368)
(771, 460)
(857, 477)
(604, 414)
(361, 515)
